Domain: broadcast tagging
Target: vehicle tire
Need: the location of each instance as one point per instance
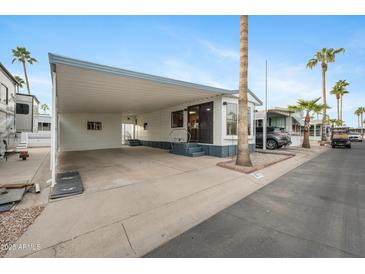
(348, 146)
(271, 144)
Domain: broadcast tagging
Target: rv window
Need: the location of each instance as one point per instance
(22, 108)
(94, 126)
(177, 119)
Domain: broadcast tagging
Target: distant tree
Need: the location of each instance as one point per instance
(307, 107)
(361, 111)
(22, 55)
(20, 82)
(45, 108)
(324, 57)
(358, 113)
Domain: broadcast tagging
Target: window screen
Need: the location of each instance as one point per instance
(22, 108)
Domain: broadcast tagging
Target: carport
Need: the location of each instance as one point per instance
(86, 93)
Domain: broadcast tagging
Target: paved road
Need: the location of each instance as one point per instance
(316, 210)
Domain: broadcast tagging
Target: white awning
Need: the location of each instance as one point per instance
(88, 87)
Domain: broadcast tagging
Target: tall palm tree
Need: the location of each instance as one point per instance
(307, 107)
(358, 113)
(20, 82)
(243, 156)
(324, 57)
(339, 90)
(361, 110)
(22, 55)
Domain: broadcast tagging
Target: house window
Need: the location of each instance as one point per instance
(44, 126)
(22, 108)
(231, 119)
(94, 126)
(177, 119)
(4, 96)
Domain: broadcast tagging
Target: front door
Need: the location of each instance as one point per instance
(200, 123)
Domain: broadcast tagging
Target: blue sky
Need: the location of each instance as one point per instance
(201, 49)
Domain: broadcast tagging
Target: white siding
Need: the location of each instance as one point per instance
(159, 123)
(75, 136)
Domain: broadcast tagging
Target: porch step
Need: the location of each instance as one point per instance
(194, 149)
(134, 142)
(187, 149)
(197, 154)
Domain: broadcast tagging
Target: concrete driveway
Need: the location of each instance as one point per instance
(136, 199)
(316, 210)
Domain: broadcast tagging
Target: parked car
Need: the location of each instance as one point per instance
(276, 137)
(340, 137)
(355, 136)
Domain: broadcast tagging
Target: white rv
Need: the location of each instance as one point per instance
(8, 87)
(26, 113)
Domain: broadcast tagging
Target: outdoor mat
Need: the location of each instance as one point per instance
(67, 184)
(12, 195)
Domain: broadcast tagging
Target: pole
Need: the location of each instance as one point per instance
(264, 133)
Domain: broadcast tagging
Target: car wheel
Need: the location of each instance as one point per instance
(271, 144)
(348, 146)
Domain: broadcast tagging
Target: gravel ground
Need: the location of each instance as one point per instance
(14, 223)
(259, 161)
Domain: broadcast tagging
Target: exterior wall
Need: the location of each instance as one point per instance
(7, 111)
(159, 123)
(74, 135)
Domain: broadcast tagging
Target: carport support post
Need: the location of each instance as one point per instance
(53, 131)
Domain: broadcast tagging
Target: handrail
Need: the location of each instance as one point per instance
(177, 129)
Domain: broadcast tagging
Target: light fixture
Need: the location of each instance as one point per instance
(224, 103)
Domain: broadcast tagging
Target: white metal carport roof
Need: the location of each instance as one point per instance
(88, 87)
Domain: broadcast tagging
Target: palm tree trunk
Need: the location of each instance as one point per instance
(26, 77)
(341, 109)
(358, 121)
(324, 135)
(243, 156)
(362, 123)
(306, 143)
(338, 108)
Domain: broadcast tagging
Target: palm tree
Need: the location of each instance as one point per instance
(307, 106)
(358, 113)
(324, 57)
(361, 110)
(22, 55)
(44, 107)
(332, 122)
(20, 82)
(243, 156)
(339, 89)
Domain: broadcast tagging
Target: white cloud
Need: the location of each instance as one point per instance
(180, 70)
(220, 52)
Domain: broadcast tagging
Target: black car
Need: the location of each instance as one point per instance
(276, 137)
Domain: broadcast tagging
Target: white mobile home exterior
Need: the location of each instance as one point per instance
(92, 101)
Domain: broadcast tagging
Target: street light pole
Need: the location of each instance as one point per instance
(264, 133)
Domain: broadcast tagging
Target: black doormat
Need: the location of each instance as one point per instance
(67, 184)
